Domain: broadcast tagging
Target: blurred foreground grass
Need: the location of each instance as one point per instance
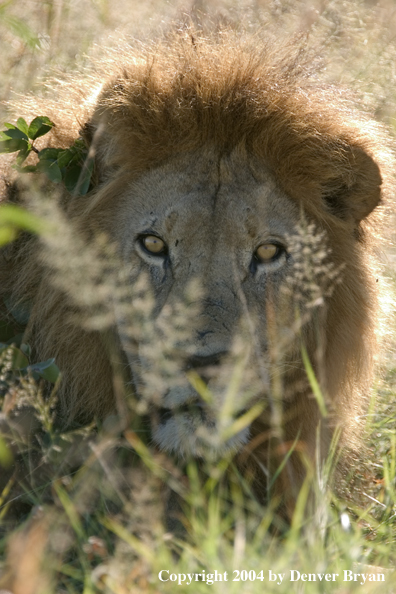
(106, 518)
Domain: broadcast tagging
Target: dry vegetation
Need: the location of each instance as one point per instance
(91, 511)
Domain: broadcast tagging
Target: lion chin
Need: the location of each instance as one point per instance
(191, 425)
(193, 434)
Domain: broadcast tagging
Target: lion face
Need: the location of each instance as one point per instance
(210, 234)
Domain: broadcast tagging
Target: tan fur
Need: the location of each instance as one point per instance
(232, 112)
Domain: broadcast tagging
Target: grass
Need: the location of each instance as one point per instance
(99, 503)
(101, 529)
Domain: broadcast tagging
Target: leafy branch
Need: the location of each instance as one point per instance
(71, 166)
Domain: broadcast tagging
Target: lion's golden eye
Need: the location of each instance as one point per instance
(154, 244)
(267, 252)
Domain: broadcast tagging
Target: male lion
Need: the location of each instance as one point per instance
(239, 196)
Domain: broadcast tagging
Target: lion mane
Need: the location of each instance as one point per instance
(220, 98)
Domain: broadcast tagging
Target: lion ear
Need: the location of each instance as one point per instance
(354, 195)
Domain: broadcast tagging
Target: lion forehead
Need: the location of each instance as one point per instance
(205, 198)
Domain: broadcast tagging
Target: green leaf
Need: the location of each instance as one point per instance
(19, 360)
(78, 179)
(71, 178)
(26, 169)
(22, 125)
(15, 133)
(26, 350)
(9, 126)
(12, 145)
(46, 369)
(80, 145)
(49, 154)
(51, 374)
(42, 365)
(39, 126)
(64, 158)
(51, 170)
(22, 155)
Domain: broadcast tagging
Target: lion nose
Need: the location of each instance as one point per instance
(197, 361)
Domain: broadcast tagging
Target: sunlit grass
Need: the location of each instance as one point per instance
(128, 516)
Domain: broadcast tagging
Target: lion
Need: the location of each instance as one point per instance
(244, 196)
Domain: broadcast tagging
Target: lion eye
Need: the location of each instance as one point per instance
(154, 244)
(267, 252)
